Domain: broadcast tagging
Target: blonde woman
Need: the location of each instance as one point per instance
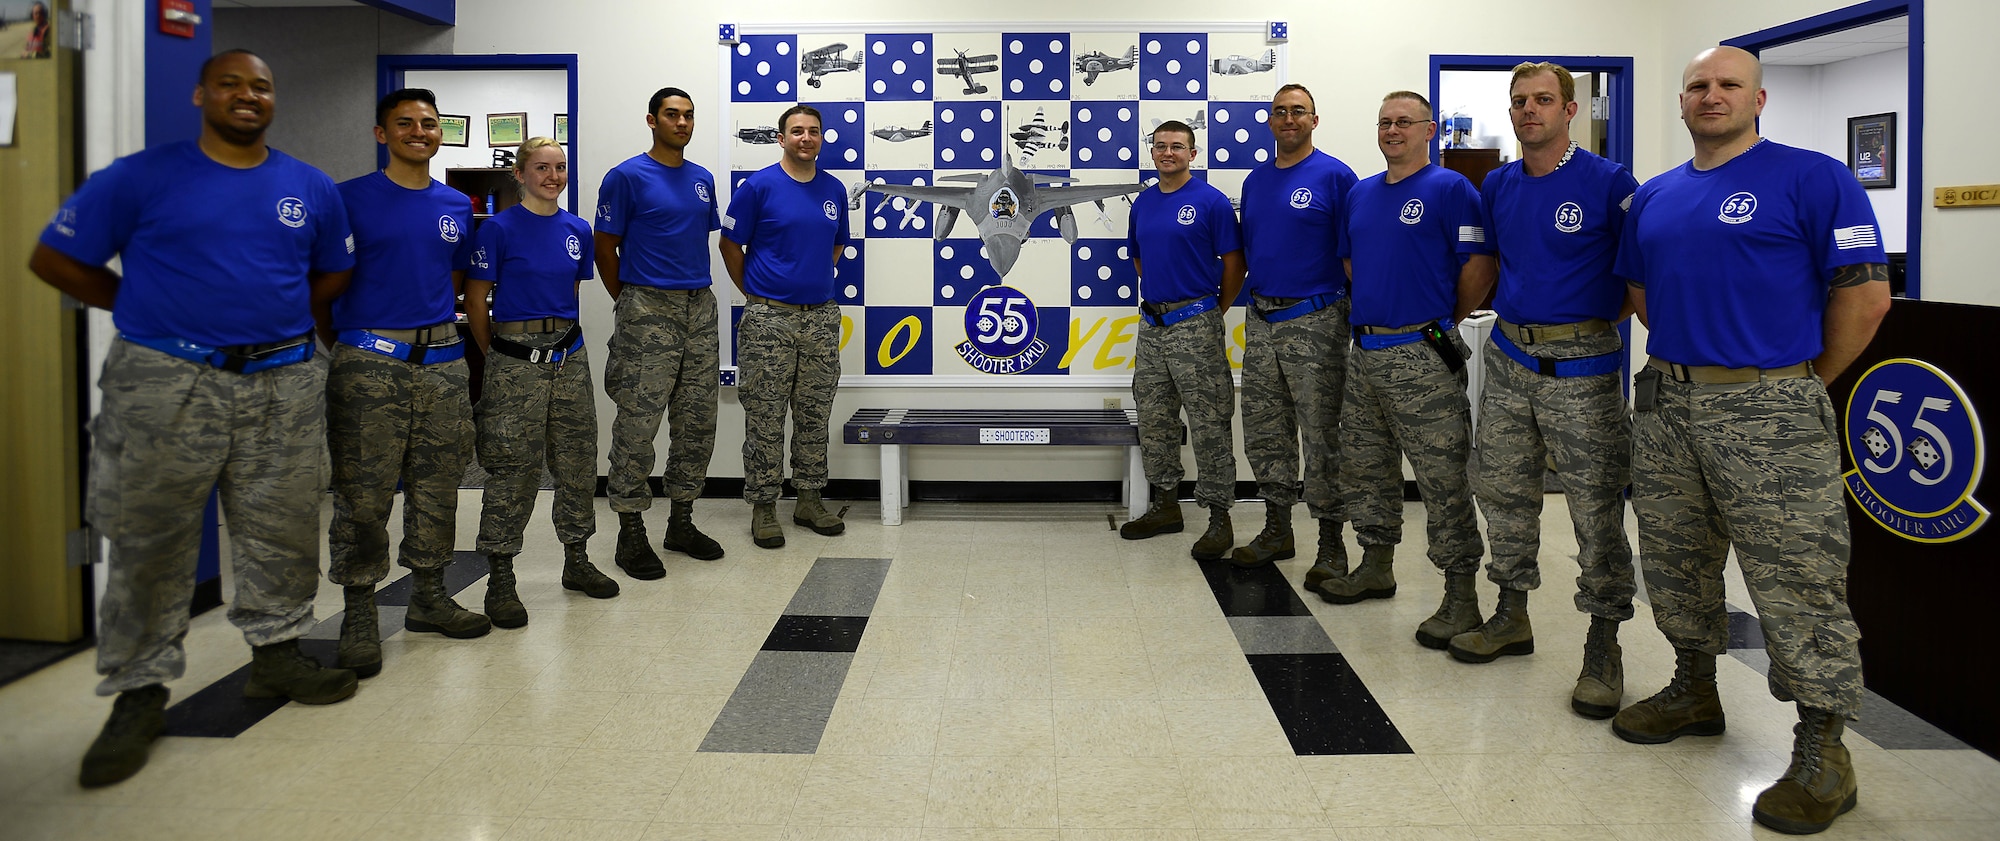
(536, 404)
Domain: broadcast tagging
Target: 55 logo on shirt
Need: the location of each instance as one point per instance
(447, 228)
(292, 212)
(1738, 208)
(1413, 212)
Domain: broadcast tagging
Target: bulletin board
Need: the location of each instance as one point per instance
(909, 104)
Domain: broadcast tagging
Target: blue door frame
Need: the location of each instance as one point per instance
(1860, 15)
(1617, 132)
(391, 69)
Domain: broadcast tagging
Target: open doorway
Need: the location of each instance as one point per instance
(1862, 63)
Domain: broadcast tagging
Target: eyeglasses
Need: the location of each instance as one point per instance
(1296, 112)
(1399, 122)
(1175, 148)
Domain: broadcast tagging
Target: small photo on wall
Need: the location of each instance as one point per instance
(562, 129)
(453, 128)
(509, 129)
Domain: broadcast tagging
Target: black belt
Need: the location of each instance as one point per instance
(555, 354)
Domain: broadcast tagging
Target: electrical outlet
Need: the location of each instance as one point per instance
(1114, 403)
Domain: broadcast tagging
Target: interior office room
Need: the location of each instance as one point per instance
(979, 655)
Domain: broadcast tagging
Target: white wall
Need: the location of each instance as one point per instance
(542, 94)
(1808, 107)
(1959, 68)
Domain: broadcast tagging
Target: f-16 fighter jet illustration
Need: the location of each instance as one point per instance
(1237, 65)
(1004, 203)
(898, 134)
(760, 135)
(1197, 122)
(1093, 63)
(966, 67)
(1035, 135)
(827, 60)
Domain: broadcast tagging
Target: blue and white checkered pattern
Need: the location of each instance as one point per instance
(907, 321)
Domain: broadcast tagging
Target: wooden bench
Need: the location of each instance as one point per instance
(893, 429)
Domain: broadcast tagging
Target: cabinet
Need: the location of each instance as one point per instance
(1472, 163)
(477, 182)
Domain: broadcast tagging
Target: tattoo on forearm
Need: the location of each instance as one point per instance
(1860, 273)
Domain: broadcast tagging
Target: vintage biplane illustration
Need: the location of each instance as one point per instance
(1236, 65)
(965, 67)
(760, 135)
(1094, 63)
(898, 134)
(1036, 135)
(1003, 204)
(826, 60)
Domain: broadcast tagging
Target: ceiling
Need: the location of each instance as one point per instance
(1881, 37)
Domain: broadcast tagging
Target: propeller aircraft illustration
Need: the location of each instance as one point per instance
(966, 67)
(1237, 65)
(898, 134)
(827, 60)
(760, 135)
(1095, 63)
(1036, 135)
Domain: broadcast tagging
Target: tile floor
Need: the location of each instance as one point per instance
(1022, 674)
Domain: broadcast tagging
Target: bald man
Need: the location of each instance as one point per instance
(1760, 273)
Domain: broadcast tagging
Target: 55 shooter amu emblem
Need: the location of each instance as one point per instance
(1918, 452)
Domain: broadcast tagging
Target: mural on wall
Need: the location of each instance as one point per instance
(991, 172)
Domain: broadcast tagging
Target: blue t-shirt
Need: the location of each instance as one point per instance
(663, 215)
(212, 254)
(1179, 239)
(1557, 236)
(789, 230)
(1291, 226)
(533, 261)
(406, 245)
(1407, 241)
(1737, 261)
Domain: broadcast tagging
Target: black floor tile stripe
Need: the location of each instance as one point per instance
(219, 709)
(1320, 702)
(783, 701)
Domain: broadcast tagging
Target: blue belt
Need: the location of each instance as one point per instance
(240, 359)
(1173, 317)
(1582, 366)
(1306, 307)
(411, 353)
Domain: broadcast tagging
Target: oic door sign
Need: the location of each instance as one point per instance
(1917, 450)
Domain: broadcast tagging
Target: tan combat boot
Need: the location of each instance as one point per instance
(1457, 613)
(1375, 578)
(1214, 543)
(1162, 517)
(1688, 706)
(1274, 543)
(1818, 787)
(764, 528)
(433, 611)
(1601, 684)
(1331, 561)
(812, 514)
(1506, 633)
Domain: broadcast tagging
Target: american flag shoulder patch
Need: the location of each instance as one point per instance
(1626, 205)
(1858, 236)
(728, 222)
(1471, 233)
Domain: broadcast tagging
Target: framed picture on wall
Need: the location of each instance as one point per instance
(562, 129)
(506, 129)
(1871, 150)
(453, 128)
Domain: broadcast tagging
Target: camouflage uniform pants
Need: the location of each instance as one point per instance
(1754, 466)
(1403, 401)
(168, 432)
(1185, 366)
(530, 414)
(788, 360)
(1294, 373)
(389, 420)
(1526, 417)
(662, 359)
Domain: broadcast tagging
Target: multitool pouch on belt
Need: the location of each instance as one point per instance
(1645, 389)
(1434, 336)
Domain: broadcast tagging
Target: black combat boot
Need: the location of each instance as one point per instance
(635, 554)
(682, 536)
(1274, 543)
(1215, 542)
(580, 574)
(121, 748)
